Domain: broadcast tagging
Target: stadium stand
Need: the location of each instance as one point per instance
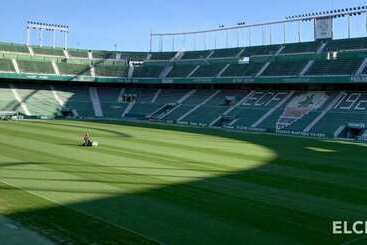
(162, 55)
(145, 103)
(76, 98)
(253, 107)
(315, 110)
(111, 70)
(285, 68)
(111, 102)
(339, 66)
(48, 51)
(29, 66)
(210, 70)
(181, 70)
(260, 50)
(39, 100)
(7, 99)
(74, 69)
(6, 65)
(13, 47)
(147, 71)
(133, 56)
(195, 55)
(242, 70)
(346, 44)
(103, 54)
(306, 47)
(78, 53)
(350, 109)
(226, 53)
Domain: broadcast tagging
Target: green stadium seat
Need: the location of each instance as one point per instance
(78, 53)
(13, 47)
(346, 44)
(147, 71)
(48, 51)
(162, 55)
(112, 70)
(29, 66)
(285, 68)
(74, 69)
(210, 70)
(304, 47)
(6, 65)
(340, 66)
(190, 55)
(226, 53)
(242, 70)
(181, 70)
(260, 50)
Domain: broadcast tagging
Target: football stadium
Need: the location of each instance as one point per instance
(245, 133)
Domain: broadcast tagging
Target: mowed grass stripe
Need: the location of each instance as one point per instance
(155, 146)
(327, 165)
(148, 156)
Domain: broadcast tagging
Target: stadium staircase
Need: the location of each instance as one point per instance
(95, 102)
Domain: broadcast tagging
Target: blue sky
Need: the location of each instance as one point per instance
(99, 24)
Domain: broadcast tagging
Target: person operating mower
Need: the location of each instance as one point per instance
(87, 140)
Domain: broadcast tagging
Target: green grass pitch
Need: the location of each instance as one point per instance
(147, 184)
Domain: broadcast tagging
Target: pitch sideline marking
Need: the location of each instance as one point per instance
(84, 213)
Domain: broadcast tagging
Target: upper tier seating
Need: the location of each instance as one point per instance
(301, 47)
(162, 55)
(104, 54)
(12, 47)
(211, 70)
(346, 44)
(226, 53)
(74, 69)
(339, 66)
(79, 53)
(242, 70)
(6, 65)
(48, 51)
(195, 55)
(133, 56)
(147, 71)
(111, 70)
(285, 68)
(260, 50)
(35, 66)
(181, 70)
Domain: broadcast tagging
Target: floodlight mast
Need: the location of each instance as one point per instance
(41, 27)
(332, 14)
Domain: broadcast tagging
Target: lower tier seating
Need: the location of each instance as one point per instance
(332, 114)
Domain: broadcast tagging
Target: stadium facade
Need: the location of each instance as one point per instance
(307, 88)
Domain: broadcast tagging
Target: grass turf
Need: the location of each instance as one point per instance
(149, 184)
